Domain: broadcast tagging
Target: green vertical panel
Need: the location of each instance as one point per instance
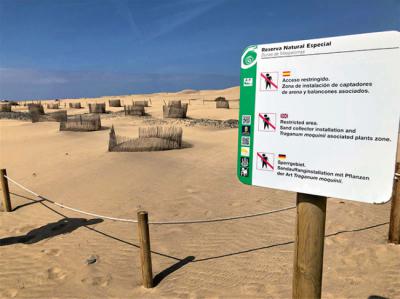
(247, 107)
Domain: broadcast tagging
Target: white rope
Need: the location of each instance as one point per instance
(67, 207)
(21, 186)
(150, 222)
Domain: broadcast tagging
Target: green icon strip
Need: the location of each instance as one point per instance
(247, 107)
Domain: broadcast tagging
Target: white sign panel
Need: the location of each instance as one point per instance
(321, 116)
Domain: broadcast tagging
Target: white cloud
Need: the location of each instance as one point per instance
(29, 76)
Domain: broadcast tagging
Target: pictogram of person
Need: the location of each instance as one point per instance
(264, 161)
(266, 121)
(268, 82)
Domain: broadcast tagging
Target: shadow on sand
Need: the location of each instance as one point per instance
(181, 262)
(31, 202)
(160, 276)
(67, 225)
(61, 227)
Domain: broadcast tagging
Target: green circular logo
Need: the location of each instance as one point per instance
(249, 57)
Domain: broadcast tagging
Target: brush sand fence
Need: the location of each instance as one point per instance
(12, 103)
(81, 123)
(27, 103)
(221, 102)
(58, 116)
(140, 103)
(5, 107)
(7, 113)
(134, 110)
(114, 103)
(150, 139)
(36, 111)
(175, 109)
(97, 108)
(53, 106)
(75, 105)
(36, 108)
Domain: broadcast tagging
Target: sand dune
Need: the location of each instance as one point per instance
(43, 249)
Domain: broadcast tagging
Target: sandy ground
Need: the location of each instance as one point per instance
(246, 258)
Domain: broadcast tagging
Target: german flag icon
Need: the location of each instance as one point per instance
(281, 156)
(286, 74)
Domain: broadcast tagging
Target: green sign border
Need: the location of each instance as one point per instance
(247, 107)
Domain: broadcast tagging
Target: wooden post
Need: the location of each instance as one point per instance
(6, 191)
(309, 246)
(145, 253)
(394, 225)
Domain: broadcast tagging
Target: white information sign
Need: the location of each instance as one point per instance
(321, 116)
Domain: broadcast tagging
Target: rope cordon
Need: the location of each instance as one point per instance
(150, 222)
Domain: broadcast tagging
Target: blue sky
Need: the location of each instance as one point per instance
(87, 48)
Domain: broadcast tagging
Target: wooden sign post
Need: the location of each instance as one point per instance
(309, 246)
(289, 140)
(145, 252)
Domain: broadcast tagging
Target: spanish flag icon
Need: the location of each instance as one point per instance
(286, 74)
(281, 156)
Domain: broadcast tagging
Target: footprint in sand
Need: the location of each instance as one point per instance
(11, 293)
(208, 213)
(56, 273)
(253, 288)
(236, 204)
(102, 281)
(336, 240)
(191, 190)
(52, 252)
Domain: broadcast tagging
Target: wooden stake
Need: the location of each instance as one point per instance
(309, 246)
(6, 191)
(394, 225)
(145, 253)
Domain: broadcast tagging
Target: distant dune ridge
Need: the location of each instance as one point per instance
(49, 252)
(233, 91)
